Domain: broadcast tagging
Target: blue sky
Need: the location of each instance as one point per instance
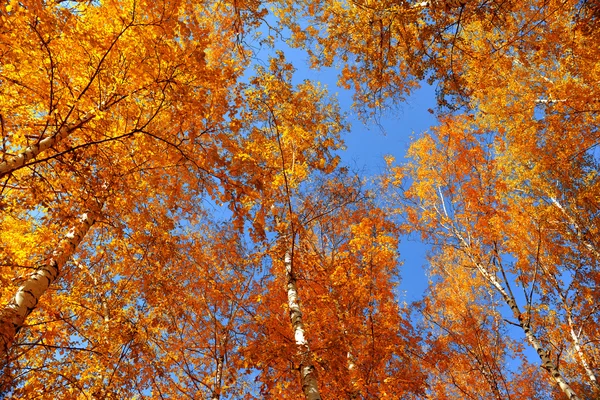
(369, 141)
(367, 144)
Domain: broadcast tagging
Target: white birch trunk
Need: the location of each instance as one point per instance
(216, 393)
(578, 230)
(221, 350)
(544, 355)
(350, 359)
(34, 150)
(580, 353)
(307, 369)
(13, 315)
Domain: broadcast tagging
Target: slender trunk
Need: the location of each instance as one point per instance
(579, 232)
(509, 298)
(220, 351)
(307, 369)
(544, 354)
(216, 393)
(31, 152)
(574, 335)
(353, 392)
(582, 358)
(13, 315)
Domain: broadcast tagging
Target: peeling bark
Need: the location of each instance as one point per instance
(307, 369)
(13, 315)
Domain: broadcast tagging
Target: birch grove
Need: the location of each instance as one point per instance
(179, 219)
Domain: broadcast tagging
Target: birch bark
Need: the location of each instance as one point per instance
(307, 369)
(577, 228)
(13, 315)
(582, 358)
(510, 300)
(220, 351)
(544, 355)
(33, 151)
(216, 393)
(354, 392)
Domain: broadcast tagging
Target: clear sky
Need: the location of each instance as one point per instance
(367, 144)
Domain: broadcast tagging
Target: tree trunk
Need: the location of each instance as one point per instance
(220, 352)
(13, 315)
(582, 358)
(544, 354)
(353, 392)
(32, 151)
(306, 368)
(509, 298)
(579, 232)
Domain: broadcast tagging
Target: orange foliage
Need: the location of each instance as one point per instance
(126, 123)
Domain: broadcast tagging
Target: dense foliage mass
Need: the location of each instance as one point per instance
(174, 221)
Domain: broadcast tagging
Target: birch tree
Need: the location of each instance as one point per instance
(27, 296)
(474, 204)
(345, 262)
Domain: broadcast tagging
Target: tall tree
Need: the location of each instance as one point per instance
(345, 273)
(132, 114)
(138, 102)
(504, 175)
(473, 202)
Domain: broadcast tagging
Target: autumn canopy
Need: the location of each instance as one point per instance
(177, 221)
